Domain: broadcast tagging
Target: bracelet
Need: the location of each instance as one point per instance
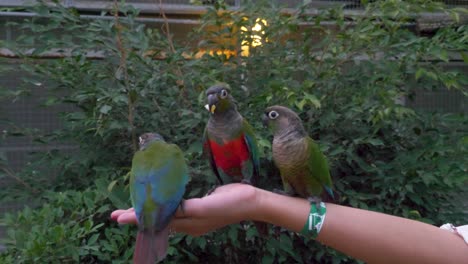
(314, 220)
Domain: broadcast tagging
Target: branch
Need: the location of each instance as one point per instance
(53, 53)
(123, 67)
(12, 175)
(178, 71)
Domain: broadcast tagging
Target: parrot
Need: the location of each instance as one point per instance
(157, 183)
(303, 167)
(229, 142)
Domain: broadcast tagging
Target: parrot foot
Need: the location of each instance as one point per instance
(210, 191)
(314, 199)
(246, 181)
(182, 207)
(278, 191)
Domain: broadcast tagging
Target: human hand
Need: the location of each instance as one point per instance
(228, 204)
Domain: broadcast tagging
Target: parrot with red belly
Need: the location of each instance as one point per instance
(229, 142)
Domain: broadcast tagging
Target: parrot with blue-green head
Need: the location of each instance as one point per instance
(158, 178)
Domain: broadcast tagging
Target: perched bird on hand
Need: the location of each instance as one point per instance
(229, 142)
(157, 183)
(303, 167)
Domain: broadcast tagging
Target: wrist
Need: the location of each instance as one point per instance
(260, 208)
(251, 203)
(280, 210)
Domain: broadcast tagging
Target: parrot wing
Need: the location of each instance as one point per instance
(209, 155)
(159, 179)
(157, 184)
(319, 167)
(251, 141)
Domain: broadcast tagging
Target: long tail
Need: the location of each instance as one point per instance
(151, 246)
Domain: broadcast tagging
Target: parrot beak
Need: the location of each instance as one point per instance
(265, 120)
(212, 100)
(210, 109)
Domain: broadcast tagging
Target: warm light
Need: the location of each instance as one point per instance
(227, 53)
(258, 27)
(256, 38)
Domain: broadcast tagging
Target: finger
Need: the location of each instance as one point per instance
(127, 218)
(194, 227)
(213, 205)
(226, 188)
(191, 208)
(199, 207)
(115, 214)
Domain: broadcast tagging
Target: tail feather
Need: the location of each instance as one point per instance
(330, 195)
(330, 192)
(151, 246)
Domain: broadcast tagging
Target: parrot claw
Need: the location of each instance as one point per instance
(314, 199)
(246, 181)
(210, 191)
(278, 191)
(182, 206)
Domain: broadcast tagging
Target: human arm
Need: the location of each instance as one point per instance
(365, 235)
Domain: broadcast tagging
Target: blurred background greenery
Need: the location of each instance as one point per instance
(381, 86)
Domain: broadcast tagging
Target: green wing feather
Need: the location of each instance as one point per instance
(319, 166)
(160, 171)
(251, 141)
(209, 154)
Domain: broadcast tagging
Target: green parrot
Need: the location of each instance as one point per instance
(157, 183)
(303, 167)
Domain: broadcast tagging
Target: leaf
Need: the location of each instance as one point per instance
(232, 233)
(443, 55)
(336, 151)
(267, 259)
(111, 185)
(414, 214)
(312, 99)
(300, 104)
(202, 243)
(195, 147)
(92, 240)
(464, 56)
(375, 142)
(420, 72)
(105, 109)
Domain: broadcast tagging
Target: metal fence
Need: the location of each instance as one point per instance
(99, 4)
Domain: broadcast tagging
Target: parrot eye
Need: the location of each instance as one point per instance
(224, 94)
(273, 115)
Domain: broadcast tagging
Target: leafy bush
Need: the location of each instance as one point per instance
(346, 81)
(69, 227)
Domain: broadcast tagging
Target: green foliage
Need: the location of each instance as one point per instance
(346, 81)
(69, 227)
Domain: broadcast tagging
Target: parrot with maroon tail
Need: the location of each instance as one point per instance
(229, 142)
(157, 183)
(303, 167)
